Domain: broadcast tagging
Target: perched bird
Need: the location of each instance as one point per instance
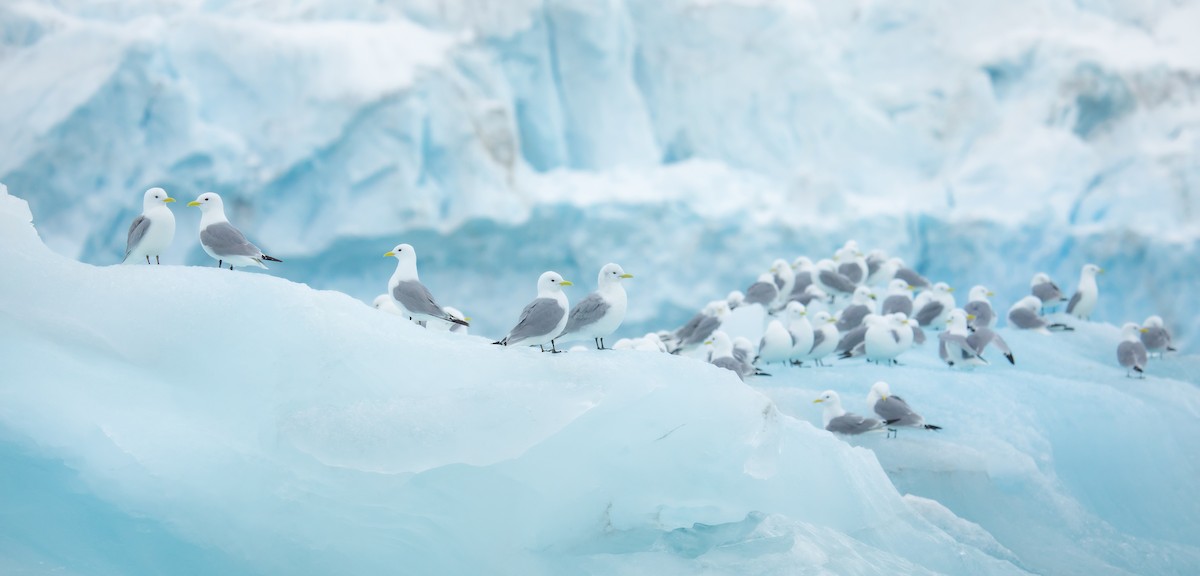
(543, 319)
(722, 356)
(776, 344)
(825, 339)
(226, 244)
(454, 327)
(907, 274)
(1155, 337)
(803, 268)
(784, 280)
(1024, 315)
(735, 299)
(1131, 353)
(877, 270)
(409, 294)
(811, 294)
(980, 307)
(899, 298)
(831, 281)
(851, 263)
(894, 410)
(763, 291)
(715, 315)
(1086, 294)
(839, 421)
(934, 306)
(886, 338)
(601, 312)
(744, 350)
(1046, 291)
(800, 329)
(953, 347)
(861, 304)
(152, 231)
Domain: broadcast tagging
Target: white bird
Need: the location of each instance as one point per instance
(454, 327)
(933, 307)
(836, 419)
(1024, 315)
(886, 338)
(862, 303)
(906, 274)
(1155, 337)
(894, 410)
(409, 295)
(152, 231)
(980, 307)
(1083, 303)
(735, 299)
(1131, 353)
(899, 298)
(800, 329)
(803, 277)
(825, 339)
(827, 278)
(723, 356)
(851, 263)
(223, 242)
(543, 319)
(763, 291)
(1046, 291)
(599, 314)
(953, 347)
(785, 279)
(776, 344)
(714, 314)
(877, 271)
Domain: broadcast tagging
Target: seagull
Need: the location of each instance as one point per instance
(1155, 337)
(152, 231)
(894, 410)
(1086, 294)
(601, 312)
(1131, 353)
(543, 319)
(861, 304)
(409, 294)
(934, 306)
(221, 240)
(851, 263)
(784, 281)
(828, 279)
(907, 274)
(980, 307)
(718, 311)
(1024, 315)
(899, 298)
(838, 420)
(953, 346)
(723, 356)
(1046, 291)
(763, 291)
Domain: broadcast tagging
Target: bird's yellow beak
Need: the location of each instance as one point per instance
(990, 294)
(1101, 270)
(885, 397)
(707, 342)
(1143, 330)
(388, 254)
(950, 289)
(566, 283)
(627, 275)
(832, 321)
(804, 312)
(873, 297)
(910, 287)
(193, 203)
(818, 401)
(169, 199)
(466, 318)
(970, 316)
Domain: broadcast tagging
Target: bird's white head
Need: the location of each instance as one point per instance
(1031, 303)
(942, 288)
(406, 261)
(721, 309)
(1153, 322)
(209, 202)
(879, 391)
(550, 283)
(802, 263)
(826, 264)
(721, 344)
(829, 398)
(877, 255)
(1092, 270)
(155, 197)
(1131, 331)
(862, 295)
(1039, 278)
(980, 293)
(958, 319)
(735, 299)
(898, 287)
(780, 267)
(796, 310)
(900, 319)
(612, 274)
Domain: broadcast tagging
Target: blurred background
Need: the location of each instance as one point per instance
(691, 141)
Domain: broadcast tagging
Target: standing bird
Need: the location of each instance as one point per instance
(851, 263)
(825, 339)
(831, 281)
(784, 280)
(980, 307)
(776, 344)
(1024, 315)
(886, 338)
(601, 312)
(713, 316)
(800, 329)
(898, 299)
(933, 307)
(409, 295)
(1131, 353)
(907, 274)
(1046, 291)
(861, 304)
(838, 420)
(894, 410)
(877, 271)
(953, 346)
(723, 356)
(982, 337)
(543, 319)
(221, 240)
(1086, 294)
(763, 291)
(803, 268)
(152, 231)
(1155, 337)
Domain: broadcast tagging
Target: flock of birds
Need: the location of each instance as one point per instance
(811, 311)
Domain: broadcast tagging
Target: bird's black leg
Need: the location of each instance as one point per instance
(231, 267)
(542, 348)
(553, 350)
(156, 260)
(602, 347)
(892, 433)
(220, 263)
(147, 258)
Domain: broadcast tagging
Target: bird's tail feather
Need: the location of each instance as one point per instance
(932, 427)
(271, 258)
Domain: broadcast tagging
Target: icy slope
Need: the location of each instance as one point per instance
(187, 419)
(951, 133)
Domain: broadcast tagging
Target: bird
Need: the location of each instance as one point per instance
(776, 344)
(1086, 294)
(715, 314)
(784, 280)
(1024, 315)
(953, 347)
(800, 329)
(384, 302)
(886, 337)
(543, 319)
(803, 268)
(1046, 291)
(934, 306)
(836, 419)
(862, 303)
(152, 231)
(825, 339)
(877, 270)
(723, 356)
(1131, 353)
(409, 294)
(907, 274)
(221, 240)
(898, 299)
(831, 281)
(851, 264)
(600, 313)
(454, 327)
(1155, 337)
(980, 307)
(894, 410)
(982, 337)
(735, 299)
(763, 291)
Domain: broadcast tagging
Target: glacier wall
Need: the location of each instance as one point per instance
(980, 143)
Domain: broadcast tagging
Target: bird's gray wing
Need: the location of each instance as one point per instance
(982, 311)
(873, 266)
(225, 240)
(779, 283)
(539, 318)
(1131, 354)
(818, 339)
(739, 354)
(707, 326)
(137, 230)
(909, 275)
(803, 280)
(1025, 319)
(686, 330)
(928, 312)
(1074, 301)
(587, 312)
(761, 293)
(415, 298)
(851, 339)
(896, 411)
(1155, 338)
(852, 317)
(918, 335)
(897, 303)
(851, 271)
(1047, 292)
(851, 423)
(954, 347)
(836, 281)
(729, 364)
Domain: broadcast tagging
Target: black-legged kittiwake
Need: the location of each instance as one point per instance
(152, 231)
(1083, 303)
(932, 307)
(1024, 315)
(899, 298)
(861, 304)
(409, 294)
(979, 306)
(543, 319)
(600, 313)
(894, 410)
(1155, 336)
(839, 421)
(953, 347)
(226, 244)
(1131, 353)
